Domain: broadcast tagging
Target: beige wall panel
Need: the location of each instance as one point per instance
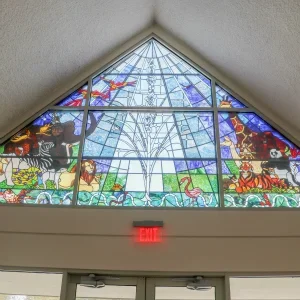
(177, 222)
(175, 254)
(196, 240)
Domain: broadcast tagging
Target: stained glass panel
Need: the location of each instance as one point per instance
(149, 140)
(226, 100)
(158, 183)
(37, 164)
(76, 98)
(151, 135)
(260, 184)
(151, 91)
(151, 57)
(261, 167)
(247, 136)
(152, 76)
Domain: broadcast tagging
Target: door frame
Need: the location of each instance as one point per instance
(152, 282)
(72, 280)
(145, 285)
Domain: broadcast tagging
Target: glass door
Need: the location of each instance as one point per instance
(97, 287)
(29, 285)
(189, 288)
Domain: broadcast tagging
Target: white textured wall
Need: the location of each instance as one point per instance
(255, 43)
(49, 46)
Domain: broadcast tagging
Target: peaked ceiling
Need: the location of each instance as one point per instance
(48, 46)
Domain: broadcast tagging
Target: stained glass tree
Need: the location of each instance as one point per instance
(163, 146)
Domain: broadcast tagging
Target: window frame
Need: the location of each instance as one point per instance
(214, 109)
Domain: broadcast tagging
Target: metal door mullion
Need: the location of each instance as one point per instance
(68, 288)
(150, 288)
(141, 288)
(220, 289)
(227, 288)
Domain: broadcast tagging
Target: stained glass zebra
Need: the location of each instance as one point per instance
(42, 160)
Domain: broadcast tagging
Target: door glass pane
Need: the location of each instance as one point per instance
(107, 292)
(182, 293)
(29, 286)
(284, 288)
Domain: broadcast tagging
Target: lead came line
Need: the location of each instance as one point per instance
(217, 144)
(81, 143)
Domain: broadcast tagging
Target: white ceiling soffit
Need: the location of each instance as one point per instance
(254, 42)
(47, 47)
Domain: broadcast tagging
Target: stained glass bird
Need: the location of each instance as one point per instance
(96, 94)
(113, 85)
(191, 193)
(79, 96)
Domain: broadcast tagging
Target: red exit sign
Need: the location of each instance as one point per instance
(148, 231)
(149, 234)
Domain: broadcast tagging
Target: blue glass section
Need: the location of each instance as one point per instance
(151, 76)
(226, 100)
(75, 99)
(151, 135)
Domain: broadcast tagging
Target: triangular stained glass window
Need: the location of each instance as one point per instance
(147, 131)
